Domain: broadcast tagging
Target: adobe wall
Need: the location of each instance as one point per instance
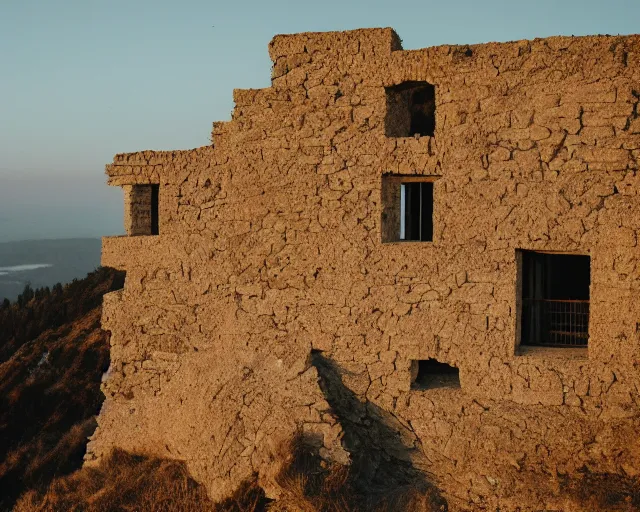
(270, 247)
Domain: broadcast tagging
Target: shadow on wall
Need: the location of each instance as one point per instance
(603, 491)
(383, 475)
(382, 470)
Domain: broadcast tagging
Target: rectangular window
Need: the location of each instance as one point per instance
(416, 211)
(555, 299)
(142, 205)
(407, 208)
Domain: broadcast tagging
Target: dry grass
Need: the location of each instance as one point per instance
(50, 384)
(311, 485)
(126, 482)
(603, 492)
(47, 409)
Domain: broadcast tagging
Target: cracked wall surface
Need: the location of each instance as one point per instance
(271, 246)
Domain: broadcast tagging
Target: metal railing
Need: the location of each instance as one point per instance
(555, 323)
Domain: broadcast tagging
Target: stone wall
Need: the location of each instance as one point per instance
(271, 248)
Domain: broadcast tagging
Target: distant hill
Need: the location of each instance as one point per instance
(43, 263)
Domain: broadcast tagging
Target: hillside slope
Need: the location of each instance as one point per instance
(52, 357)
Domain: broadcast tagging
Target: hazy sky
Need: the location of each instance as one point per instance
(81, 80)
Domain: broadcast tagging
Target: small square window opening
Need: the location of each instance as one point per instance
(411, 110)
(431, 373)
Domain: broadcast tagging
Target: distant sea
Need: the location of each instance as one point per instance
(45, 263)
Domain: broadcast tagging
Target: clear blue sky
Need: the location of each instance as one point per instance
(81, 80)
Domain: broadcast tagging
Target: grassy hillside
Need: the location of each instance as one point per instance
(52, 357)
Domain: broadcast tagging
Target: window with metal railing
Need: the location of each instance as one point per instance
(555, 299)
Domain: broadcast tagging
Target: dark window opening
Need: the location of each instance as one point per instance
(416, 211)
(142, 210)
(407, 208)
(430, 374)
(411, 110)
(155, 193)
(555, 299)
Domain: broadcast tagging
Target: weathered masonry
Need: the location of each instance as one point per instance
(454, 229)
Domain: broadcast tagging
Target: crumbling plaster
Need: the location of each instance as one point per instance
(270, 247)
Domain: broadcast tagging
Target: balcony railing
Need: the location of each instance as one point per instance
(555, 323)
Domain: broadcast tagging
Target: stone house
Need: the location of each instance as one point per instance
(454, 229)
